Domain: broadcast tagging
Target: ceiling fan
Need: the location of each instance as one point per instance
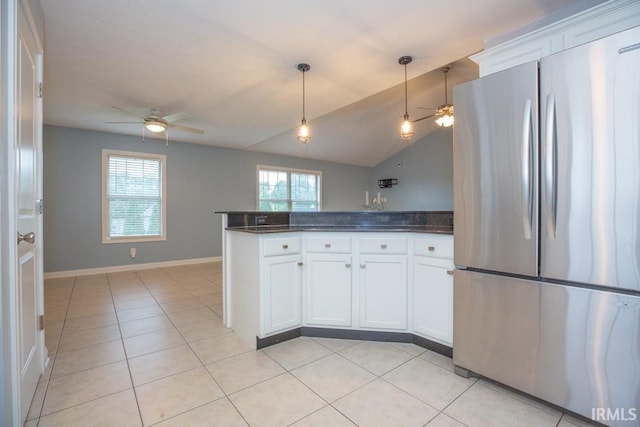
(445, 111)
(157, 123)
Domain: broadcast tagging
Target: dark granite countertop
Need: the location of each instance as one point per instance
(265, 229)
(328, 221)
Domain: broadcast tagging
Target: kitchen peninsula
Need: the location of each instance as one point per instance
(362, 275)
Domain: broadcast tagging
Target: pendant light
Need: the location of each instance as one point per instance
(303, 131)
(445, 111)
(406, 129)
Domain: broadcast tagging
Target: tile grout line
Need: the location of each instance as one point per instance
(84, 370)
(55, 355)
(225, 395)
(124, 349)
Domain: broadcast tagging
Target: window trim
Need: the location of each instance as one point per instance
(288, 170)
(105, 202)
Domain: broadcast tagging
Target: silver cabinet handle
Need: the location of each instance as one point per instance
(527, 194)
(29, 237)
(450, 272)
(431, 248)
(327, 245)
(550, 167)
(285, 246)
(363, 265)
(383, 246)
(348, 265)
(300, 264)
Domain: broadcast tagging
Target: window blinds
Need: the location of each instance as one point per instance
(134, 193)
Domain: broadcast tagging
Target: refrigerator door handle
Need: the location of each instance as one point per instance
(550, 167)
(527, 194)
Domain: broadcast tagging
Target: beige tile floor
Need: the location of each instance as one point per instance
(149, 348)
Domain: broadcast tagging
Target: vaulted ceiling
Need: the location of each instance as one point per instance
(231, 65)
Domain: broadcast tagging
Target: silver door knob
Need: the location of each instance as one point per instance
(29, 237)
(327, 245)
(348, 265)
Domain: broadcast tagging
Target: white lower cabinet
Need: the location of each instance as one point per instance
(282, 299)
(369, 281)
(328, 289)
(433, 298)
(383, 291)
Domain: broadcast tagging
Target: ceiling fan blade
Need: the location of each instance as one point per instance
(128, 112)
(186, 129)
(424, 118)
(175, 117)
(124, 123)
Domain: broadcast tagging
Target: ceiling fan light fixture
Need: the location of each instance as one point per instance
(446, 118)
(155, 126)
(406, 128)
(445, 121)
(304, 136)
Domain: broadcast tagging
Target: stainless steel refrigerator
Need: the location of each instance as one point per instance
(547, 228)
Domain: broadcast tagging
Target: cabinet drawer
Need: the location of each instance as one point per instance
(282, 246)
(383, 245)
(328, 244)
(434, 246)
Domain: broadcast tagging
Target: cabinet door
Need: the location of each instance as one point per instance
(328, 289)
(282, 293)
(383, 291)
(433, 299)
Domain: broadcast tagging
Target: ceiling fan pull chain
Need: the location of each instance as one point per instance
(142, 133)
(166, 138)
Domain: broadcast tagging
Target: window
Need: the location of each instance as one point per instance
(133, 197)
(281, 189)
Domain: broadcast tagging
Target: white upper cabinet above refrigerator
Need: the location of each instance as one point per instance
(495, 156)
(590, 171)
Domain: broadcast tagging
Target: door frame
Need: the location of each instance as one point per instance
(9, 366)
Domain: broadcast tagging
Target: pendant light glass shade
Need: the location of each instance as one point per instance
(406, 129)
(303, 132)
(304, 135)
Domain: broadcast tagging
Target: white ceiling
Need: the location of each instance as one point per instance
(231, 65)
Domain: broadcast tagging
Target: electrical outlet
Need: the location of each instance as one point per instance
(132, 252)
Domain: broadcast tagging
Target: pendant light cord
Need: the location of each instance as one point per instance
(406, 103)
(303, 97)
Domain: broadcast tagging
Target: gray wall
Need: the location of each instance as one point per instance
(425, 174)
(200, 180)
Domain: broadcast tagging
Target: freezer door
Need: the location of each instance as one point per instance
(590, 142)
(574, 347)
(495, 172)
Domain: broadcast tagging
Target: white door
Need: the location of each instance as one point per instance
(27, 148)
(328, 289)
(433, 298)
(383, 291)
(282, 293)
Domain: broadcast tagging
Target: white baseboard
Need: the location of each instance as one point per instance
(119, 268)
